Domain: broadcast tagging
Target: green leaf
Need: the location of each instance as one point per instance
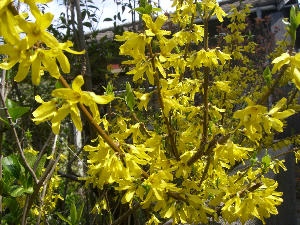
(292, 15)
(13, 206)
(199, 8)
(8, 218)
(11, 164)
(107, 19)
(297, 20)
(63, 218)
(267, 76)
(87, 24)
(266, 160)
(143, 3)
(83, 14)
(119, 16)
(73, 214)
(156, 10)
(139, 10)
(6, 182)
(148, 9)
(95, 33)
(254, 159)
(129, 98)
(30, 158)
(29, 190)
(79, 213)
(10, 104)
(17, 112)
(58, 85)
(16, 190)
(41, 166)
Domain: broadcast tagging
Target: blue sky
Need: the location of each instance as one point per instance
(108, 7)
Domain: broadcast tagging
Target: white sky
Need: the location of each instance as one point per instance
(109, 9)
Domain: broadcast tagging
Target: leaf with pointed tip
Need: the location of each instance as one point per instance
(63, 218)
(16, 190)
(73, 214)
(12, 165)
(79, 213)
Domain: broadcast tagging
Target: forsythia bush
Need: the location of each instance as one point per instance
(211, 112)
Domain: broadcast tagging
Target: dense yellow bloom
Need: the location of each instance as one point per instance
(29, 58)
(134, 45)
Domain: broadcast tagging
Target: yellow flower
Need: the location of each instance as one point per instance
(46, 111)
(57, 110)
(273, 119)
(134, 45)
(87, 98)
(144, 99)
(37, 31)
(31, 151)
(214, 6)
(280, 61)
(35, 58)
(154, 28)
(250, 117)
(60, 56)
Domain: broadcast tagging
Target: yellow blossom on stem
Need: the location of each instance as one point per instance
(154, 28)
(59, 110)
(144, 99)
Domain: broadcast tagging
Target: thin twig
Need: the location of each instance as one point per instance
(42, 151)
(41, 204)
(79, 151)
(36, 190)
(205, 171)
(68, 176)
(142, 126)
(292, 97)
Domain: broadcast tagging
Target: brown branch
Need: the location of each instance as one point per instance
(90, 119)
(292, 97)
(285, 153)
(36, 190)
(68, 176)
(126, 214)
(142, 126)
(212, 144)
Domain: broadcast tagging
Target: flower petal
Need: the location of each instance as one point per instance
(103, 99)
(77, 83)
